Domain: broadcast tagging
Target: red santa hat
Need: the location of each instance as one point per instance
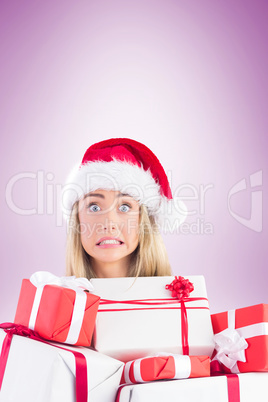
(128, 166)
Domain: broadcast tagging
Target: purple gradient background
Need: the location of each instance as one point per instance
(187, 78)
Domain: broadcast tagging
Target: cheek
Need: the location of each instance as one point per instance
(87, 230)
(85, 237)
(132, 226)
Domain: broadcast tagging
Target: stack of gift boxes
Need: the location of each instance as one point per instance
(129, 340)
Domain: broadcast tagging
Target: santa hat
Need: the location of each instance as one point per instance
(128, 166)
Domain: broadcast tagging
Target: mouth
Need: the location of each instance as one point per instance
(110, 243)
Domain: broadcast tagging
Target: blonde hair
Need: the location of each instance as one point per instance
(149, 259)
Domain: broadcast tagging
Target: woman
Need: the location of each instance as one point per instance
(115, 203)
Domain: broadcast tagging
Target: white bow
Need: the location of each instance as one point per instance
(42, 278)
(230, 346)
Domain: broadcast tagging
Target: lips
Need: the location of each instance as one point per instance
(109, 238)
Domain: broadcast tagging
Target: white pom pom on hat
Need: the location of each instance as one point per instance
(128, 166)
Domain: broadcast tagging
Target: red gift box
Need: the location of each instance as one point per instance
(160, 367)
(58, 313)
(242, 339)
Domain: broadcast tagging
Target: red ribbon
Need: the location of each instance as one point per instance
(232, 381)
(184, 329)
(80, 360)
(233, 388)
(216, 368)
(151, 302)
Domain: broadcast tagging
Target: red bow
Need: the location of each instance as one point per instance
(180, 287)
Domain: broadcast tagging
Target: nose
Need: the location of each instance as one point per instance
(110, 221)
(109, 225)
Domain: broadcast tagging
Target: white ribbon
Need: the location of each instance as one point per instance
(182, 366)
(230, 345)
(230, 348)
(41, 278)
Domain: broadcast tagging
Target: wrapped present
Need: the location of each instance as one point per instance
(143, 316)
(165, 367)
(241, 339)
(246, 387)
(38, 371)
(59, 309)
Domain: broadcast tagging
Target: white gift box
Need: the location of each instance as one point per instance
(136, 318)
(38, 372)
(251, 387)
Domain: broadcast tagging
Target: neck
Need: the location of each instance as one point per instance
(115, 269)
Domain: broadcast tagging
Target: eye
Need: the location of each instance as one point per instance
(125, 208)
(93, 207)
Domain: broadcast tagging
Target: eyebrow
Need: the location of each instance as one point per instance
(102, 196)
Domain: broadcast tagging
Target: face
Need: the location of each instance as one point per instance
(109, 225)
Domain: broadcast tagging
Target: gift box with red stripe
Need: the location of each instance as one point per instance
(143, 316)
(35, 370)
(59, 309)
(165, 367)
(246, 387)
(241, 338)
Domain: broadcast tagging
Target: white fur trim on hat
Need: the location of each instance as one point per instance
(172, 214)
(127, 178)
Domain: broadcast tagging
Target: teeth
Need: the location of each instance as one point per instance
(109, 242)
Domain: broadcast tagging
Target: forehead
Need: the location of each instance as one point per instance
(107, 194)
